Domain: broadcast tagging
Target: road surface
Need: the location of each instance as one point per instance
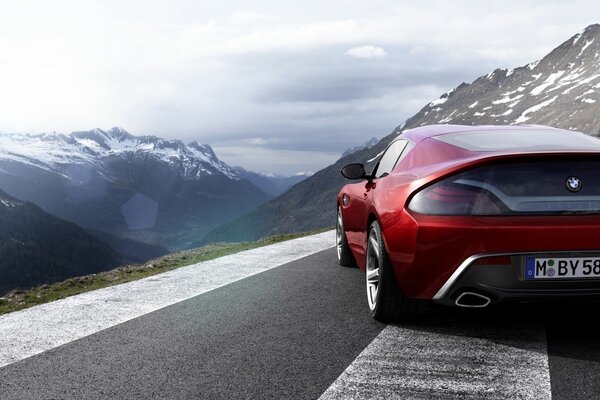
(302, 331)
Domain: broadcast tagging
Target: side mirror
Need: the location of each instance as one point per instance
(354, 171)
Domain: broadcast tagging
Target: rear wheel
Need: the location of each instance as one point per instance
(344, 255)
(386, 301)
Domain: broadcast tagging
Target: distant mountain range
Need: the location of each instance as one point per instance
(561, 90)
(369, 143)
(140, 189)
(38, 248)
(272, 184)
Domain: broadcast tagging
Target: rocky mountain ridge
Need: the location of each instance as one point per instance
(369, 143)
(561, 90)
(55, 151)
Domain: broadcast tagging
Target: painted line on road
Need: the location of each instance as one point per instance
(447, 361)
(37, 329)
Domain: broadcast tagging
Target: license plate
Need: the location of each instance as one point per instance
(562, 267)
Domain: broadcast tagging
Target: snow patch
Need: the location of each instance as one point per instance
(443, 98)
(591, 101)
(439, 101)
(474, 104)
(533, 65)
(507, 99)
(524, 116)
(583, 82)
(8, 204)
(548, 82)
(585, 46)
(591, 91)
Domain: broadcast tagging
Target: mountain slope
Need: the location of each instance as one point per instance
(38, 248)
(561, 90)
(160, 192)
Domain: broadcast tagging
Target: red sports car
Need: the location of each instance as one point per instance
(474, 215)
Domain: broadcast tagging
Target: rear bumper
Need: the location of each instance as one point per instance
(429, 253)
(507, 282)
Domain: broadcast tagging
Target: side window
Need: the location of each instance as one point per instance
(407, 149)
(389, 159)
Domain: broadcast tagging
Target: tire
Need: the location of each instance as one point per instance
(344, 255)
(386, 301)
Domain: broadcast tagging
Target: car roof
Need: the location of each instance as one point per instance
(505, 138)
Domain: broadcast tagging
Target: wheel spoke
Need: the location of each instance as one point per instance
(374, 245)
(373, 275)
(372, 293)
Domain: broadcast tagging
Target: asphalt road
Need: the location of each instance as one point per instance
(290, 332)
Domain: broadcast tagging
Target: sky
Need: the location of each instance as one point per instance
(272, 86)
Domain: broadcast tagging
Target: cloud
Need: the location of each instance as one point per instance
(248, 17)
(368, 51)
(303, 77)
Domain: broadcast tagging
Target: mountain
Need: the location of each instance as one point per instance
(161, 192)
(561, 90)
(272, 184)
(130, 251)
(38, 248)
(369, 143)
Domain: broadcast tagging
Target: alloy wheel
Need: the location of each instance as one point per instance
(339, 234)
(373, 263)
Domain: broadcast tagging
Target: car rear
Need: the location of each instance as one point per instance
(521, 224)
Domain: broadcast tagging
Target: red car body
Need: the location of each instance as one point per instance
(441, 256)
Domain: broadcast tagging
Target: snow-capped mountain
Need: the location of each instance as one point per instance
(157, 191)
(562, 90)
(369, 143)
(55, 152)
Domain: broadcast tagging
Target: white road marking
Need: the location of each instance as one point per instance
(448, 361)
(37, 329)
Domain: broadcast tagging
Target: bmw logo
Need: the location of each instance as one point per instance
(573, 184)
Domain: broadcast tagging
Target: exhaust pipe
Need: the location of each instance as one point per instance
(472, 300)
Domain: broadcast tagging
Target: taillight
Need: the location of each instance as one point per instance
(447, 198)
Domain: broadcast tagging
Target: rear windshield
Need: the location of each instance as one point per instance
(548, 186)
(522, 139)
